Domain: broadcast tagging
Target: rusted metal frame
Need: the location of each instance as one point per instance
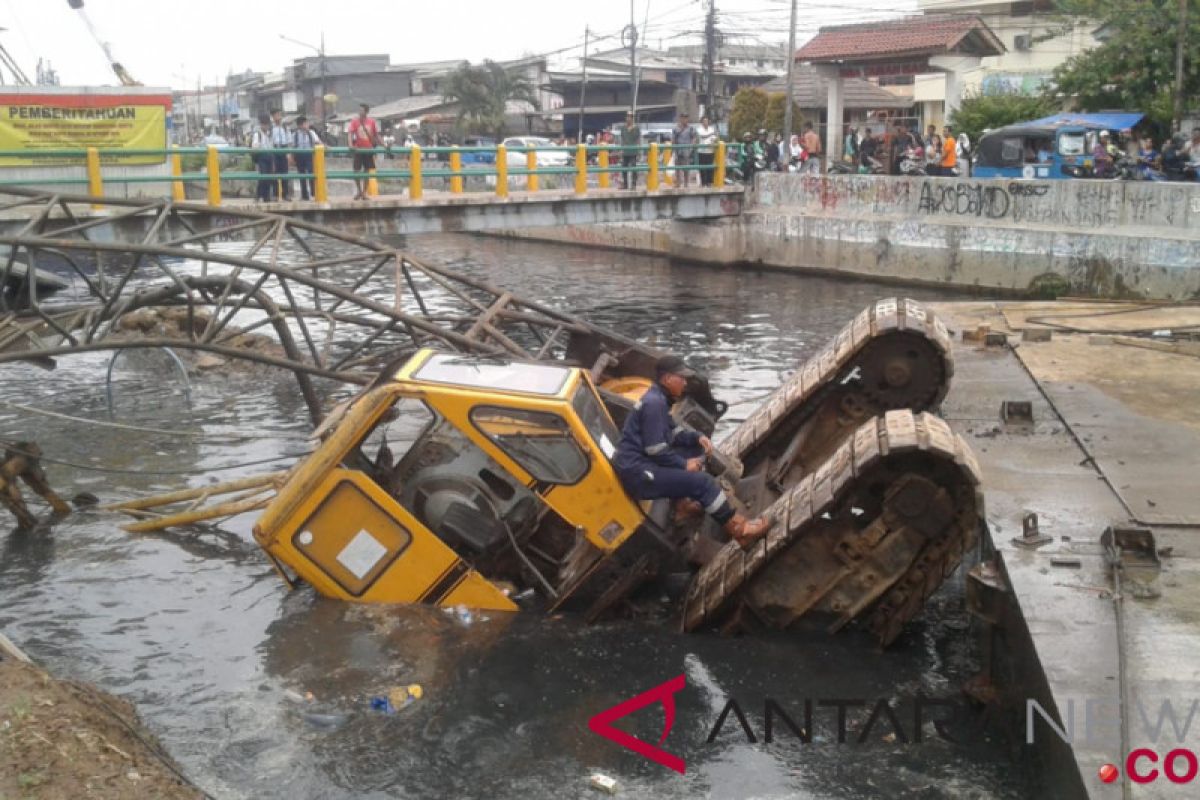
(230, 352)
(233, 312)
(388, 324)
(24, 201)
(558, 316)
(36, 306)
(359, 283)
(8, 265)
(92, 287)
(129, 273)
(212, 329)
(99, 221)
(307, 248)
(442, 281)
(549, 343)
(39, 218)
(201, 237)
(312, 346)
(506, 343)
(412, 287)
(175, 278)
(267, 270)
(287, 291)
(484, 321)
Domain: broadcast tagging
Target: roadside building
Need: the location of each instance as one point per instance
(896, 50)
(1037, 37)
(863, 102)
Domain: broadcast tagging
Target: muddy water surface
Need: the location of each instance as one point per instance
(196, 629)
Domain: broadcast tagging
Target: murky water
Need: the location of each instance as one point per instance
(198, 631)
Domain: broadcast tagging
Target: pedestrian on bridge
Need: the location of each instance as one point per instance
(260, 141)
(281, 140)
(684, 139)
(304, 139)
(707, 136)
(630, 136)
(364, 138)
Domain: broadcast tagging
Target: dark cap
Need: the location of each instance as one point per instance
(674, 365)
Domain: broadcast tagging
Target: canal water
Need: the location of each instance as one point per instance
(196, 629)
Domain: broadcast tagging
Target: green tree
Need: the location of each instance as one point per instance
(483, 93)
(749, 112)
(1134, 68)
(980, 112)
(773, 119)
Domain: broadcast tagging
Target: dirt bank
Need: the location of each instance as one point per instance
(62, 740)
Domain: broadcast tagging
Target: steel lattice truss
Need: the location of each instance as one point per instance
(338, 306)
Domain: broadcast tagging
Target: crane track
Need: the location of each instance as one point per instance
(884, 454)
(868, 344)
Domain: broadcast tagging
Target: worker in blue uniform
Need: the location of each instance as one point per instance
(655, 458)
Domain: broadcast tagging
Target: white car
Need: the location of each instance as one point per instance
(555, 158)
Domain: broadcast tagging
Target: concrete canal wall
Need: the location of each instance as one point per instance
(1103, 238)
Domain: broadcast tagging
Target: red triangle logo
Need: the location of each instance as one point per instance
(663, 693)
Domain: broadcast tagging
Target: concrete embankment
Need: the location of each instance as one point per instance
(1098, 238)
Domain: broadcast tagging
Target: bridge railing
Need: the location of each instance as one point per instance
(499, 166)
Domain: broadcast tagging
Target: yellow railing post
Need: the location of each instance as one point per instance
(501, 171)
(177, 193)
(666, 160)
(603, 179)
(531, 180)
(372, 183)
(456, 181)
(652, 162)
(719, 167)
(95, 183)
(320, 180)
(214, 176)
(581, 169)
(414, 171)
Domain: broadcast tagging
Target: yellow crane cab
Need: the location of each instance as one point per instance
(463, 480)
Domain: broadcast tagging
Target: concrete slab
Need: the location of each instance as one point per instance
(1076, 639)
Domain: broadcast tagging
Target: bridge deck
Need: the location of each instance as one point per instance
(445, 212)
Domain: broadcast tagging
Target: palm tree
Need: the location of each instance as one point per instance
(483, 93)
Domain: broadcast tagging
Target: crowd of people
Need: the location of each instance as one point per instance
(1128, 155)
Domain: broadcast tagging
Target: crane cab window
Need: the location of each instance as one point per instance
(596, 420)
(475, 373)
(540, 442)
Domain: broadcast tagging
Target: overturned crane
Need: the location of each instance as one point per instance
(474, 466)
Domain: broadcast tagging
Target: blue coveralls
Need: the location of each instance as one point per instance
(651, 458)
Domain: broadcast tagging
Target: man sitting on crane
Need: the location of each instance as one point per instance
(655, 458)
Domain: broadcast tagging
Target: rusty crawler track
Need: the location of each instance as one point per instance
(898, 322)
(845, 565)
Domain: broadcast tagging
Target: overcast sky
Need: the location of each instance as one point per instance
(170, 42)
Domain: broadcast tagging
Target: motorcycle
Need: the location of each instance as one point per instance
(912, 163)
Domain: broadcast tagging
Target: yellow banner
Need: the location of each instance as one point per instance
(72, 122)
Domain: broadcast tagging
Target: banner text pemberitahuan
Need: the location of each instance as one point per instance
(73, 122)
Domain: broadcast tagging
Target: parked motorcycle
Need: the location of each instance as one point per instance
(912, 163)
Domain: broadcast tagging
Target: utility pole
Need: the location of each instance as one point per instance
(785, 149)
(321, 68)
(710, 57)
(583, 88)
(1180, 41)
(630, 35)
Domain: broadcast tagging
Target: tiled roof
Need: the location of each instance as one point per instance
(811, 91)
(930, 34)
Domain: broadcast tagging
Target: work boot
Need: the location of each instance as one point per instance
(747, 531)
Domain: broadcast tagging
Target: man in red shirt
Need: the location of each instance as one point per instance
(364, 135)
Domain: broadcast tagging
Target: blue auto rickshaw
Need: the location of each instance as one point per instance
(1051, 148)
